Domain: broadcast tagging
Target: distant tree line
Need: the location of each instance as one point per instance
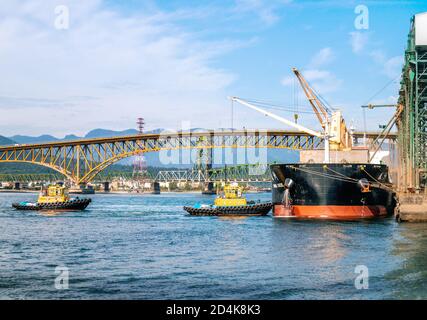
(28, 168)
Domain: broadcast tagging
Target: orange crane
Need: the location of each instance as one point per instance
(334, 131)
(321, 111)
(331, 121)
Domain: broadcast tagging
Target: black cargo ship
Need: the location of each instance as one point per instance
(333, 190)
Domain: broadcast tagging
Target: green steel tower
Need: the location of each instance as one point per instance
(412, 123)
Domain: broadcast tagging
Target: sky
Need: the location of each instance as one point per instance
(71, 66)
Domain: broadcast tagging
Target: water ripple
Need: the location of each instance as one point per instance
(147, 247)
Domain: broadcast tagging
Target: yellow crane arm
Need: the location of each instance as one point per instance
(318, 107)
(331, 121)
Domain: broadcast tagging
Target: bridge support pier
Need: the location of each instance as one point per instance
(156, 187)
(106, 186)
(82, 188)
(208, 188)
(17, 185)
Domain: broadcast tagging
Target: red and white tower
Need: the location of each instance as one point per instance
(139, 164)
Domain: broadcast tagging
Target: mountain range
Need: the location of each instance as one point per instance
(152, 158)
(96, 133)
(6, 141)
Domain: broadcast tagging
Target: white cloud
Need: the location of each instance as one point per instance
(388, 100)
(391, 67)
(127, 65)
(323, 81)
(378, 56)
(323, 57)
(358, 41)
(287, 81)
(265, 10)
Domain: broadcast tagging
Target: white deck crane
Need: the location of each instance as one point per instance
(335, 133)
(299, 127)
(331, 121)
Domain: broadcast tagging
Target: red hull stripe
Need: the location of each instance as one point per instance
(330, 212)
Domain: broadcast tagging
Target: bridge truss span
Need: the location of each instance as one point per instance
(239, 173)
(81, 160)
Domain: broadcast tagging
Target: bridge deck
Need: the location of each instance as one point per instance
(166, 134)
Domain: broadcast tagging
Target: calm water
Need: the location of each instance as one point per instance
(146, 247)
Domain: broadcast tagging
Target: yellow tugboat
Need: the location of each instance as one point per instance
(231, 196)
(55, 197)
(230, 202)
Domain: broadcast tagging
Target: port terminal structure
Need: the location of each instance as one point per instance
(80, 161)
(412, 121)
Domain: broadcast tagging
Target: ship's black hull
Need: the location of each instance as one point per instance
(317, 190)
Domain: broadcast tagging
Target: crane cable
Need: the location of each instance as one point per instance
(296, 102)
(343, 177)
(338, 173)
(363, 169)
(382, 89)
(346, 179)
(276, 106)
(370, 99)
(380, 183)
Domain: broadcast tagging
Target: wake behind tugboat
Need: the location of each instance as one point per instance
(55, 197)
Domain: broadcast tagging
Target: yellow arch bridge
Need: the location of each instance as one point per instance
(81, 160)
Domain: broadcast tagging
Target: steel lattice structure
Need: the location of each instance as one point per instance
(81, 160)
(35, 178)
(239, 173)
(181, 176)
(412, 123)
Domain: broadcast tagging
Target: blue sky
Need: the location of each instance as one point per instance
(175, 62)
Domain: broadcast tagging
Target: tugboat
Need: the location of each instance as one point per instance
(231, 202)
(55, 197)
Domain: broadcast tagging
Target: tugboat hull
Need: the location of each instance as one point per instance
(259, 209)
(75, 204)
(332, 191)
